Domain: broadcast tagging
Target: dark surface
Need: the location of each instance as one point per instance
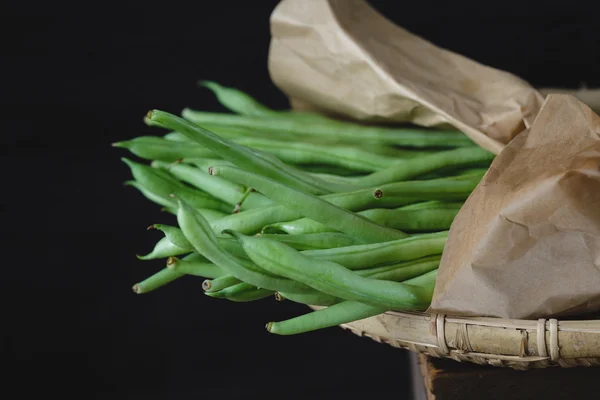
(79, 76)
(451, 380)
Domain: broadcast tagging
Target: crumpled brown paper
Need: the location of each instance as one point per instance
(526, 243)
(342, 56)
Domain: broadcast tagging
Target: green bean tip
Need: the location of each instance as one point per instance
(149, 115)
(269, 326)
(206, 285)
(151, 227)
(378, 193)
(123, 144)
(136, 289)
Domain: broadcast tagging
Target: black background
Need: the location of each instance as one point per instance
(79, 76)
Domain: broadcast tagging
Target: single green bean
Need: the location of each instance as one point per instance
(161, 278)
(167, 204)
(312, 241)
(329, 277)
(369, 255)
(222, 189)
(345, 156)
(236, 100)
(156, 148)
(337, 314)
(242, 156)
(342, 313)
(199, 233)
(411, 168)
(196, 268)
(162, 249)
(312, 206)
(328, 128)
(242, 292)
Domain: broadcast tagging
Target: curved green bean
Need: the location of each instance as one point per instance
(329, 277)
(341, 313)
(199, 233)
(195, 267)
(312, 206)
(166, 203)
(162, 249)
(237, 101)
(242, 292)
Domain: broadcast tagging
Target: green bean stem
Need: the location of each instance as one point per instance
(241, 292)
(155, 281)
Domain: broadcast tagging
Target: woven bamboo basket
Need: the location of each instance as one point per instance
(517, 344)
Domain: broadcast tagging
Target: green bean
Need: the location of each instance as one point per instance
(337, 314)
(180, 241)
(220, 283)
(345, 156)
(403, 170)
(369, 255)
(241, 156)
(222, 189)
(325, 171)
(396, 272)
(329, 277)
(404, 219)
(241, 292)
(199, 233)
(402, 271)
(237, 101)
(161, 278)
(162, 249)
(314, 298)
(166, 203)
(341, 313)
(312, 241)
(155, 148)
(155, 182)
(196, 268)
(312, 206)
(328, 128)
(447, 189)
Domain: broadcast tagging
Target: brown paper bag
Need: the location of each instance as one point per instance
(343, 57)
(526, 243)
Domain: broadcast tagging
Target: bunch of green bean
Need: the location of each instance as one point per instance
(302, 207)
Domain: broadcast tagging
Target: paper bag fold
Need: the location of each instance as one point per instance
(343, 57)
(526, 243)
